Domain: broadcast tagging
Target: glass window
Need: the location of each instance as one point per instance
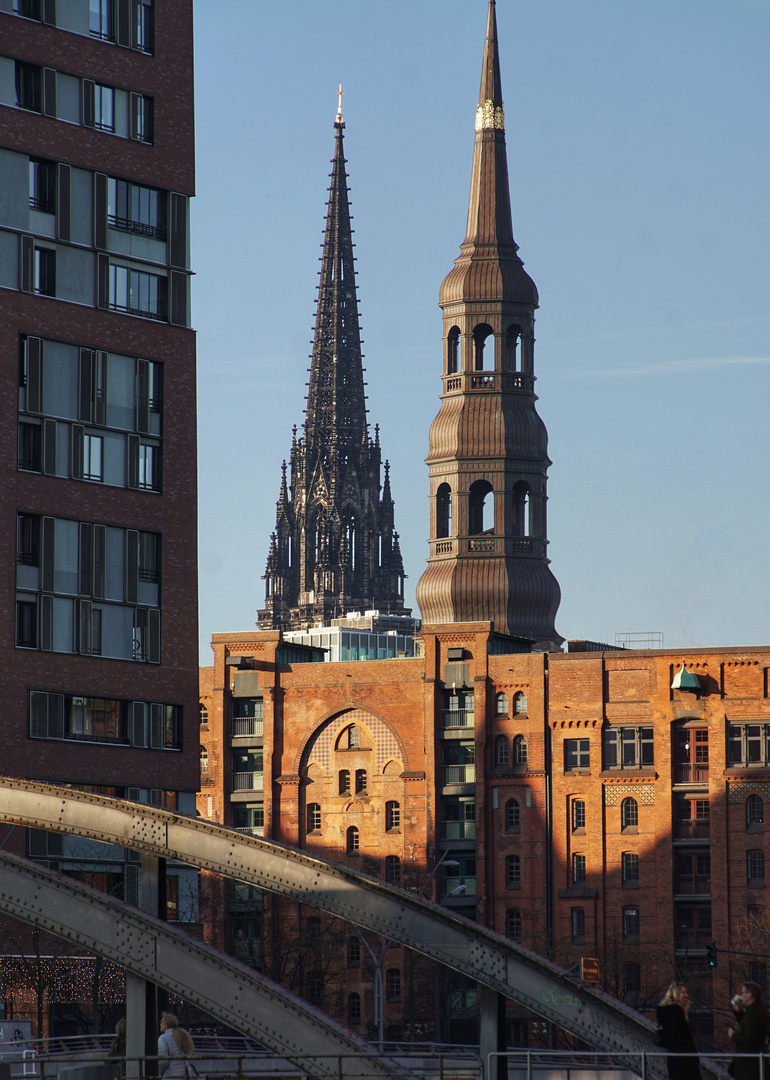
(104, 107)
(361, 781)
(628, 747)
(632, 984)
(630, 868)
(93, 457)
(501, 706)
(393, 984)
(344, 782)
(512, 815)
(313, 817)
(101, 21)
(748, 744)
(576, 754)
(513, 924)
(29, 80)
(137, 292)
(755, 810)
(392, 816)
(149, 459)
(352, 840)
(512, 870)
(354, 1008)
(501, 750)
(143, 26)
(520, 702)
(354, 952)
(630, 924)
(45, 271)
(578, 814)
(354, 736)
(578, 925)
(755, 867)
(42, 185)
(629, 813)
(393, 870)
(578, 869)
(136, 208)
(520, 751)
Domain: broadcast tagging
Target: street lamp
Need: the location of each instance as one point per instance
(443, 861)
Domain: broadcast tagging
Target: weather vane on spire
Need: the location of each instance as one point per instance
(340, 95)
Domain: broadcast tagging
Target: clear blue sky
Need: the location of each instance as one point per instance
(639, 158)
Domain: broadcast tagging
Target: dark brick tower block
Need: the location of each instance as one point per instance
(488, 453)
(334, 548)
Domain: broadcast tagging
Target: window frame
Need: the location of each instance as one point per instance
(577, 755)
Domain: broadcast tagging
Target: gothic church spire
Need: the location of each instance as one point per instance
(333, 550)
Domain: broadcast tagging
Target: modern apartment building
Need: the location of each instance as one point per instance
(97, 368)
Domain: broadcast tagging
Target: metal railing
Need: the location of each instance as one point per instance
(687, 773)
(691, 829)
(248, 781)
(459, 718)
(459, 774)
(459, 830)
(247, 725)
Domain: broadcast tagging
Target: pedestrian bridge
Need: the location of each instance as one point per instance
(234, 993)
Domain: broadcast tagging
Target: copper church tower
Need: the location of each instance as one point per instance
(334, 549)
(488, 453)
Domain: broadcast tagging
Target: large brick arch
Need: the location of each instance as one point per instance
(319, 741)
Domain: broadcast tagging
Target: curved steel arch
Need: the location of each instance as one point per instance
(219, 984)
(491, 960)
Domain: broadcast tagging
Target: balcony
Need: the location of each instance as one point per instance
(692, 884)
(454, 718)
(460, 886)
(251, 830)
(691, 829)
(459, 774)
(247, 725)
(459, 830)
(688, 938)
(248, 781)
(691, 774)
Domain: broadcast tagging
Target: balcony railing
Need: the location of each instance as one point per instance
(459, 774)
(248, 781)
(459, 718)
(688, 884)
(251, 830)
(459, 830)
(691, 774)
(685, 938)
(691, 829)
(247, 725)
(460, 886)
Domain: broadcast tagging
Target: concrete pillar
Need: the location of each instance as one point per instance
(142, 998)
(492, 1033)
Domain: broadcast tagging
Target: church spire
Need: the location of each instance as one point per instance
(332, 551)
(488, 452)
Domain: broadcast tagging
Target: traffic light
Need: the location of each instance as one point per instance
(711, 954)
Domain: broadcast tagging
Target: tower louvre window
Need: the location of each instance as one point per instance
(483, 347)
(454, 351)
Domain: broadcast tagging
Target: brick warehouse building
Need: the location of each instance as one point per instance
(99, 446)
(578, 803)
(603, 804)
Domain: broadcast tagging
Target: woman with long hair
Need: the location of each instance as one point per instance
(175, 1048)
(677, 1037)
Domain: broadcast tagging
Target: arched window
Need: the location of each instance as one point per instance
(360, 781)
(481, 509)
(454, 351)
(512, 815)
(755, 810)
(512, 870)
(512, 335)
(393, 870)
(354, 1008)
(354, 952)
(483, 348)
(354, 736)
(501, 750)
(444, 510)
(629, 814)
(513, 924)
(313, 817)
(344, 778)
(522, 524)
(501, 707)
(392, 816)
(352, 840)
(520, 752)
(520, 702)
(755, 867)
(204, 765)
(204, 715)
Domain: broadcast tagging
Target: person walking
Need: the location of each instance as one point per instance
(677, 1037)
(750, 1037)
(175, 1048)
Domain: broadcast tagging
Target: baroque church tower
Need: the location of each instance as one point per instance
(488, 453)
(334, 548)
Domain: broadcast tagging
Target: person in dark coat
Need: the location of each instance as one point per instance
(677, 1037)
(750, 1037)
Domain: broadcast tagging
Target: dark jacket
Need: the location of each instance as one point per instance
(750, 1038)
(677, 1039)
